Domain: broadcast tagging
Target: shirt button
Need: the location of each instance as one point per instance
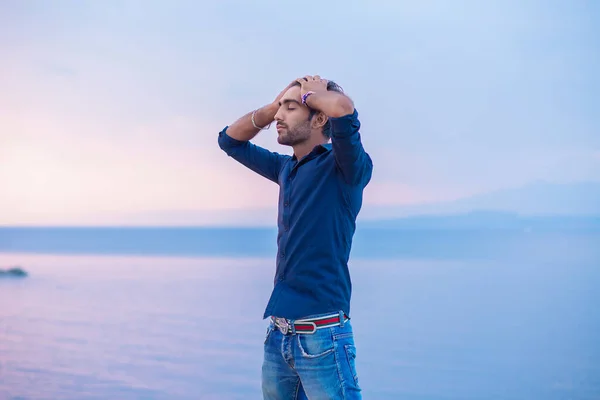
(287, 228)
(286, 204)
(282, 255)
(281, 279)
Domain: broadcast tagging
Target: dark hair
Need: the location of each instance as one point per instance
(331, 86)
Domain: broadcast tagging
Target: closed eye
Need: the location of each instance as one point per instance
(291, 104)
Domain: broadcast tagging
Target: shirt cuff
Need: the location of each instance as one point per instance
(345, 125)
(226, 141)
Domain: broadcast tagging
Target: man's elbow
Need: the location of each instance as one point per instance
(344, 106)
(222, 141)
(228, 143)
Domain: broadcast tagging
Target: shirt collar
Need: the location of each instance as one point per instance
(318, 149)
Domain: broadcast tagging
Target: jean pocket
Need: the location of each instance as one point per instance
(315, 345)
(351, 358)
(269, 330)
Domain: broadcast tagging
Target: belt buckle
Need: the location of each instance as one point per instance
(283, 325)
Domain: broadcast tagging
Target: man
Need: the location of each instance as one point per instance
(309, 349)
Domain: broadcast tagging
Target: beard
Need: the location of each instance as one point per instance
(296, 135)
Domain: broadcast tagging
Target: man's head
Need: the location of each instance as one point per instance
(297, 123)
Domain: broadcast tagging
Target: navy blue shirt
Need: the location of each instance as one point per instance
(319, 199)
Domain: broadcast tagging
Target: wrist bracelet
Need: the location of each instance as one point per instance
(258, 127)
(305, 96)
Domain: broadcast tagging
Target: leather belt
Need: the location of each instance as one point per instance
(310, 325)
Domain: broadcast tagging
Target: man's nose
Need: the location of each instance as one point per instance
(278, 115)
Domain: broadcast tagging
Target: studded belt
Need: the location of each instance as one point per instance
(310, 325)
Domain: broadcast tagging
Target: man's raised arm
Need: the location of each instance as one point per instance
(351, 158)
(235, 141)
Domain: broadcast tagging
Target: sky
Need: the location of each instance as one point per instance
(110, 111)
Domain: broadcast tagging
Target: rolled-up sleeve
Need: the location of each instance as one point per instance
(258, 159)
(227, 143)
(351, 158)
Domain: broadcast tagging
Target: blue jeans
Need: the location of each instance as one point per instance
(310, 366)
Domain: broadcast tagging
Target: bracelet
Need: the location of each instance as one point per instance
(305, 96)
(258, 127)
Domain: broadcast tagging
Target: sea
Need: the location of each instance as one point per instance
(176, 313)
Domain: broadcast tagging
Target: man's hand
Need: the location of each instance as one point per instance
(312, 84)
(243, 129)
(280, 95)
(332, 103)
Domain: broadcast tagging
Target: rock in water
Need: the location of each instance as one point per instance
(13, 272)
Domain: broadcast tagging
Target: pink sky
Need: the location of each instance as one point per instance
(109, 113)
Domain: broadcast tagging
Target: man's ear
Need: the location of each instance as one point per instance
(319, 120)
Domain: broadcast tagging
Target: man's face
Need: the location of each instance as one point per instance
(293, 125)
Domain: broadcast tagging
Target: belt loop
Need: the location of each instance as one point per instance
(342, 319)
(292, 326)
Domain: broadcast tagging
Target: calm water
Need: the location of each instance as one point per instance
(437, 315)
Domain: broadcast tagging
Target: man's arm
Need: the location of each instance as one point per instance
(331, 103)
(235, 141)
(258, 159)
(244, 130)
(351, 158)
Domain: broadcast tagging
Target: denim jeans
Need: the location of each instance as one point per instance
(318, 366)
